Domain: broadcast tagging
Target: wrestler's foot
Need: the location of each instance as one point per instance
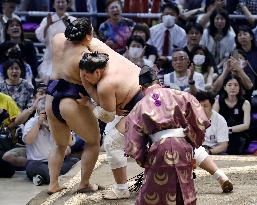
(52, 190)
(89, 188)
(226, 186)
(114, 193)
(224, 181)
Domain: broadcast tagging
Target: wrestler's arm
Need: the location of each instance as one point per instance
(91, 90)
(105, 110)
(107, 101)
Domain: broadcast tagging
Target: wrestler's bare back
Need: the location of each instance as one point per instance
(66, 59)
(120, 72)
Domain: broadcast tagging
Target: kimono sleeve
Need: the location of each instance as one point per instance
(196, 120)
(135, 139)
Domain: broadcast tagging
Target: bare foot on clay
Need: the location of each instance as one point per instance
(55, 189)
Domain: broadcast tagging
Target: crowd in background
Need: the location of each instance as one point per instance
(194, 46)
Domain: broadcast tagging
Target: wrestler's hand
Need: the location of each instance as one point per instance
(121, 112)
(84, 100)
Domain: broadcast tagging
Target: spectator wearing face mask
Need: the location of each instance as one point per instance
(204, 64)
(184, 77)
(142, 30)
(167, 36)
(135, 53)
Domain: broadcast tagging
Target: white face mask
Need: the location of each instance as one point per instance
(199, 59)
(242, 63)
(168, 20)
(135, 52)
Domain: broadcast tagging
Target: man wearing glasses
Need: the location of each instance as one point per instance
(183, 77)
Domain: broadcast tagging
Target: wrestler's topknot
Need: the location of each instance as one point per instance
(78, 29)
(92, 61)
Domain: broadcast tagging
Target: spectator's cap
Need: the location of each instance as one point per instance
(5, 46)
(10, 1)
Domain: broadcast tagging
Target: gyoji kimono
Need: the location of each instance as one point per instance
(161, 132)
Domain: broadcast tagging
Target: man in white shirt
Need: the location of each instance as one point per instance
(167, 35)
(216, 136)
(183, 77)
(39, 142)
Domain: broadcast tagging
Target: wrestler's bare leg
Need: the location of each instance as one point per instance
(83, 122)
(210, 166)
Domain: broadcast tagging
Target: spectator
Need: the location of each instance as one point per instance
(204, 64)
(236, 65)
(49, 27)
(210, 7)
(245, 41)
(9, 111)
(38, 145)
(8, 8)
(116, 29)
(15, 86)
(142, 30)
(135, 53)
(236, 111)
(10, 106)
(194, 33)
(218, 37)
(17, 156)
(167, 36)
(15, 33)
(11, 51)
(216, 136)
(183, 78)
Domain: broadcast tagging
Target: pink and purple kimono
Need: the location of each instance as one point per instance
(168, 161)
